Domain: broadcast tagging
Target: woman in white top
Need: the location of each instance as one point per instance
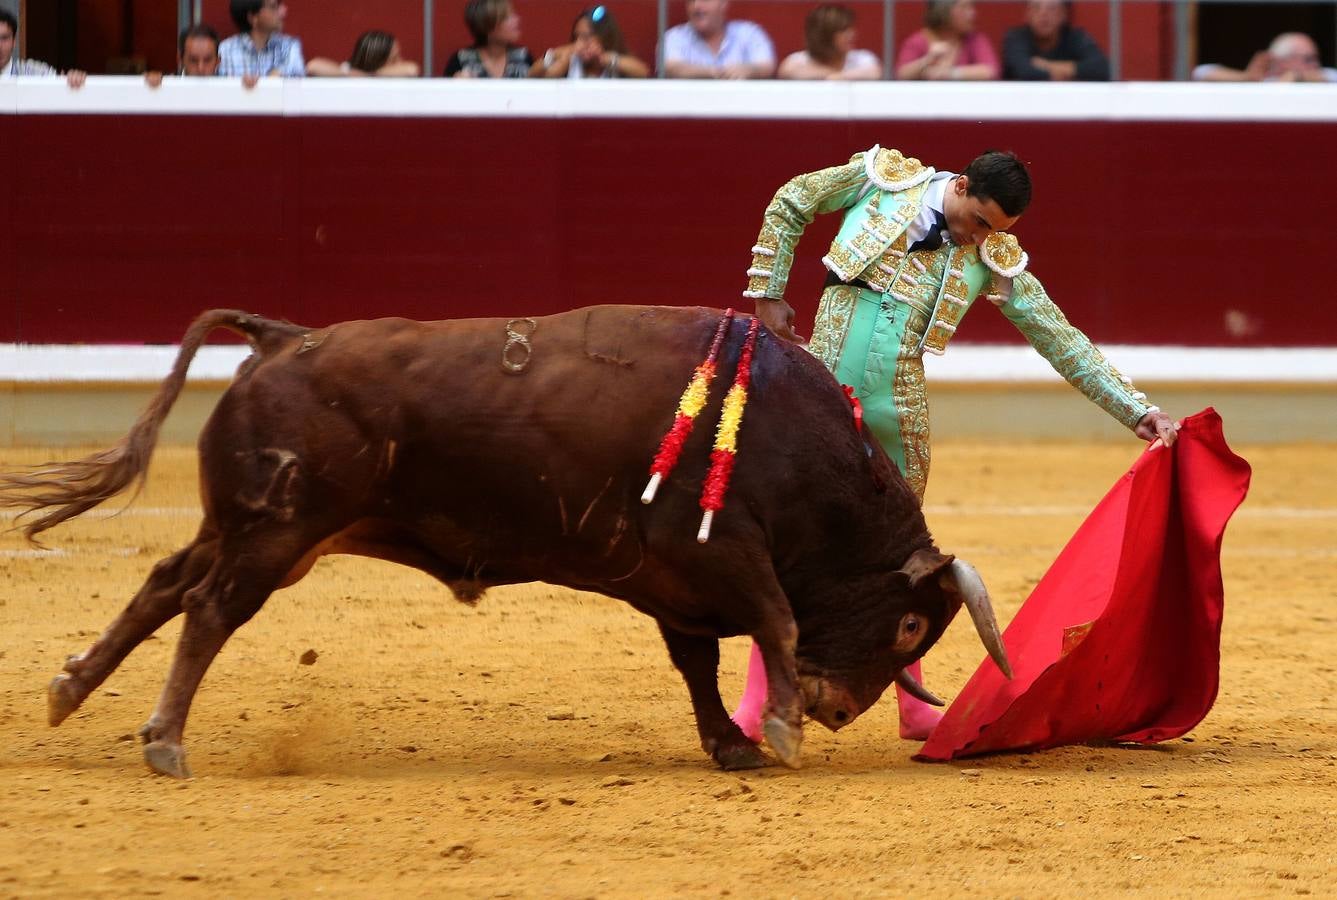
(829, 32)
(597, 50)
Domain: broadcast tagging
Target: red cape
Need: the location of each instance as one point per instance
(1121, 640)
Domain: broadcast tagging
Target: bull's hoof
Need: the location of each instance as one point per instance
(61, 699)
(785, 740)
(166, 759)
(742, 755)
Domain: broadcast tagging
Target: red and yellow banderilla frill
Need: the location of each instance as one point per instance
(726, 436)
(693, 400)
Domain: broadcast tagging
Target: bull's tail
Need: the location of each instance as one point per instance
(68, 489)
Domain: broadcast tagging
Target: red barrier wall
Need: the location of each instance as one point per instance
(1143, 232)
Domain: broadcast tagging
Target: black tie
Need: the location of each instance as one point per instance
(932, 240)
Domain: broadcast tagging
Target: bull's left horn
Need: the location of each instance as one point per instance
(961, 578)
(917, 690)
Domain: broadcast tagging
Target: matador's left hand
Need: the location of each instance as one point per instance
(1157, 425)
(778, 316)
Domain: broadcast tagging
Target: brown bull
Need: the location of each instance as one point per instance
(481, 462)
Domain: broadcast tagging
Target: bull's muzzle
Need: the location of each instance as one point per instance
(826, 702)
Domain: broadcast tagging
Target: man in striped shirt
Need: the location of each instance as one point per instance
(261, 48)
(11, 66)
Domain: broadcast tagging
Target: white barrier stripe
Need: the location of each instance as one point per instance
(963, 362)
(876, 101)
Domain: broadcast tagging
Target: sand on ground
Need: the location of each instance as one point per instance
(542, 743)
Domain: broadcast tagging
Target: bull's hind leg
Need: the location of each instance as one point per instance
(156, 602)
(237, 584)
(698, 659)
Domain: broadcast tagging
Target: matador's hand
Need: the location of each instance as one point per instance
(778, 316)
(1157, 426)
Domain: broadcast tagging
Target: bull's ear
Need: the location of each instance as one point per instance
(924, 564)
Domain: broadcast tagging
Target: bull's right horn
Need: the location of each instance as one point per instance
(917, 690)
(962, 579)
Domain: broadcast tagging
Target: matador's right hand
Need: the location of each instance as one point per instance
(778, 316)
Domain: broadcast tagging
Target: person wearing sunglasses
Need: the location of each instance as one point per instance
(597, 50)
(1291, 56)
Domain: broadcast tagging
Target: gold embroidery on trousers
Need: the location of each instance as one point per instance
(835, 312)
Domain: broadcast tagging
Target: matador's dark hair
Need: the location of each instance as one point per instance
(999, 176)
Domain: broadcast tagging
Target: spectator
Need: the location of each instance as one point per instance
(1047, 48)
(496, 52)
(376, 53)
(197, 57)
(830, 55)
(708, 45)
(948, 46)
(1290, 57)
(12, 67)
(197, 52)
(261, 48)
(597, 50)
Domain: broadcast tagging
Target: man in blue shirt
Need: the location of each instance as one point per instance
(708, 45)
(261, 48)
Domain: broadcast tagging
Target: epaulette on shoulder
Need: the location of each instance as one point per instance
(892, 170)
(1003, 254)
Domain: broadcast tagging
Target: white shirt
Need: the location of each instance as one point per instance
(744, 42)
(934, 202)
(855, 59)
(1206, 70)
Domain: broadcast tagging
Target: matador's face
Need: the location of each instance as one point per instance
(972, 219)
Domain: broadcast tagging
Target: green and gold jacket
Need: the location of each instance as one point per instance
(882, 192)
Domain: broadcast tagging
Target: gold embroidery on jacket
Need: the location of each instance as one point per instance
(955, 300)
(893, 170)
(1003, 254)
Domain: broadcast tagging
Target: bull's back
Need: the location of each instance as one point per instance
(523, 432)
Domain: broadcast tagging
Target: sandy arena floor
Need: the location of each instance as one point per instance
(542, 744)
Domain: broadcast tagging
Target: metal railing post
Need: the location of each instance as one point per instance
(1116, 40)
(888, 37)
(1181, 39)
(184, 11)
(662, 26)
(428, 22)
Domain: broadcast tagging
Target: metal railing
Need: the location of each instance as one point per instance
(190, 12)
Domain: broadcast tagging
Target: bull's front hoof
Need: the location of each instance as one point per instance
(744, 754)
(785, 740)
(61, 699)
(167, 759)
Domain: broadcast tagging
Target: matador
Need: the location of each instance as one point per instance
(915, 248)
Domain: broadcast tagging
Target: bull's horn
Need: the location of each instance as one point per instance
(961, 578)
(917, 690)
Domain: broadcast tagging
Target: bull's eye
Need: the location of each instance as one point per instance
(911, 632)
